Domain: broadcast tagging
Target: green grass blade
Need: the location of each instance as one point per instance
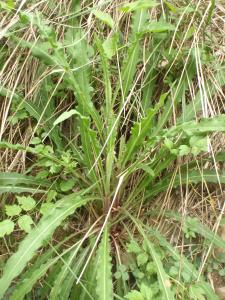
(140, 130)
(178, 90)
(72, 276)
(132, 57)
(108, 115)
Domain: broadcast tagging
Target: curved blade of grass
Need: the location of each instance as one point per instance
(190, 110)
(133, 54)
(109, 115)
(178, 91)
(104, 275)
(34, 240)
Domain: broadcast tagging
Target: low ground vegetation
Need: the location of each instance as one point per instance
(112, 150)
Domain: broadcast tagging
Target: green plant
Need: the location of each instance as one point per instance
(111, 115)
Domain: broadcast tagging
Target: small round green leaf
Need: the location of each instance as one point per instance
(25, 223)
(67, 185)
(6, 227)
(12, 210)
(27, 203)
(35, 141)
(142, 259)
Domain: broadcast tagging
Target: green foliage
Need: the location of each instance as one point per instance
(46, 208)
(26, 203)
(12, 210)
(104, 17)
(67, 185)
(6, 227)
(140, 4)
(111, 112)
(25, 223)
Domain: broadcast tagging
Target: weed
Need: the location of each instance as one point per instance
(107, 110)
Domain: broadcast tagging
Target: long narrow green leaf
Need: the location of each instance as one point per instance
(141, 129)
(132, 57)
(20, 189)
(34, 240)
(109, 115)
(72, 276)
(104, 275)
(178, 91)
(12, 178)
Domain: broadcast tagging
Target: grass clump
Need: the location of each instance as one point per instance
(110, 125)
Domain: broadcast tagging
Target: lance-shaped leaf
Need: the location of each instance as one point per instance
(104, 274)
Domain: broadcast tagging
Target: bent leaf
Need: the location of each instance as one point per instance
(141, 4)
(104, 17)
(159, 26)
(66, 115)
(25, 223)
(20, 189)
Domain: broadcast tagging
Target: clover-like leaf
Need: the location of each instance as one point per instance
(26, 203)
(25, 223)
(142, 259)
(6, 227)
(134, 295)
(133, 247)
(12, 210)
(67, 185)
